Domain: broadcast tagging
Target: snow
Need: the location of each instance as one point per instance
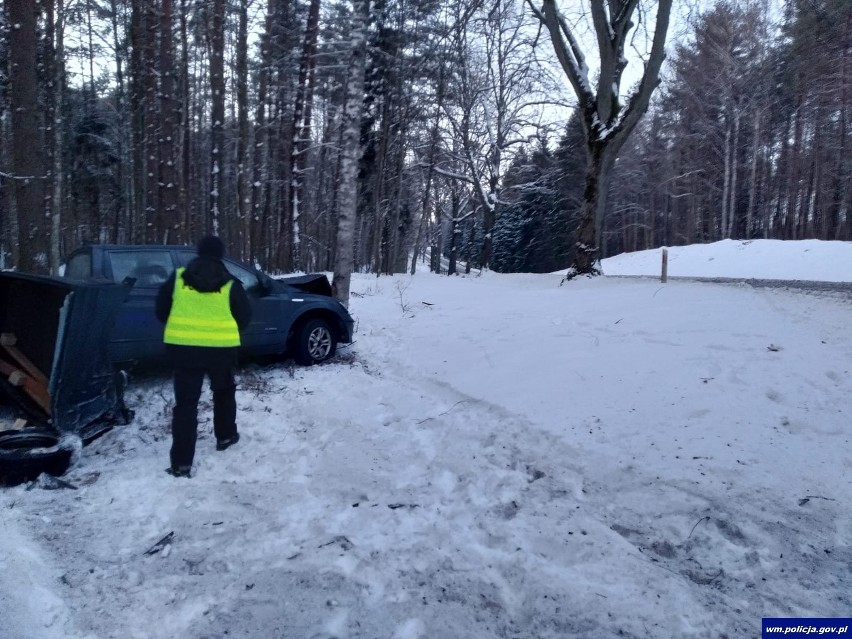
(759, 259)
(496, 456)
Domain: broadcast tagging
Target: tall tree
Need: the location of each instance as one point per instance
(169, 117)
(243, 159)
(216, 46)
(55, 68)
(607, 122)
(302, 126)
(350, 153)
(27, 132)
(496, 91)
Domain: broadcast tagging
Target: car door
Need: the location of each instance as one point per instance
(138, 334)
(262, 335)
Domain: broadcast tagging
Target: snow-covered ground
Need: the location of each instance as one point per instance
(496, 456)
(756, 259)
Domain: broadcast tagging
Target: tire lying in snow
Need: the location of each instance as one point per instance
(25, 454)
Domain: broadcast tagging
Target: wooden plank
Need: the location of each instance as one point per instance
(6, 368)
(17, 425)
(37, 391)
(7, 342)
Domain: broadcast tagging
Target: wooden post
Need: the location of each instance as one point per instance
(665, 274)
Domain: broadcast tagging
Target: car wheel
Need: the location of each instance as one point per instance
(25, 454)
(314, 342)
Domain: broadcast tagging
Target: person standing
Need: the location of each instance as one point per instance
(204, 309)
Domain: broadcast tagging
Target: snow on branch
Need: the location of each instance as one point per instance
(454, 176)
(567, 49)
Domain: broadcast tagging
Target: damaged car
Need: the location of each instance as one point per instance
(295, 316)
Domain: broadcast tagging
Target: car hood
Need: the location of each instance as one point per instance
(315, 283)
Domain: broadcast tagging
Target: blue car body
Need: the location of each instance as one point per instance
(281, 311)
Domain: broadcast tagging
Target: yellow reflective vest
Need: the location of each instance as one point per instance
(201, 319)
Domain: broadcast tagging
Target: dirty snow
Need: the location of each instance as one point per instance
(496, 456)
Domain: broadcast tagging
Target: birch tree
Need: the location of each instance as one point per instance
(607, 121)
(350, 154)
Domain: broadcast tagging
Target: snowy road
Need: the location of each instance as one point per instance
(806, 286)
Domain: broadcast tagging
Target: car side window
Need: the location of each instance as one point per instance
(79, 267)
(148, 268)
(245, 276)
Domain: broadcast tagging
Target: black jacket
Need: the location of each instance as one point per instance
(205, 275)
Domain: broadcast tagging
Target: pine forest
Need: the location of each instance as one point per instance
(382, 135)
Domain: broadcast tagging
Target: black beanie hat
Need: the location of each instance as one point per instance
(212, 247)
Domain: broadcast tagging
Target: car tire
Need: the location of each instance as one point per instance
(314, 342)
(25, 454)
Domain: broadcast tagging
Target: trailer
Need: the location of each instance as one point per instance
(55, 372)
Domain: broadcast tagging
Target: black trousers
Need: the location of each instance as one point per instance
(188, 383)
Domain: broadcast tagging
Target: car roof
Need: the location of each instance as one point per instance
(144, 247)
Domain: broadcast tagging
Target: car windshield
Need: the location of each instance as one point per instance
(246, 277)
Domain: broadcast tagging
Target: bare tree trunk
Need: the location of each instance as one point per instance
(187, 216)
(454, 233)
(124, 179)
(844, 179)
(301, 130)
(351, 153)
(169, 118)
(374, 258)
(153, 210)
(430, 168)
(8, 221)
(56, 36)
(726, 185)
(606, 124)
(592, 211)
(813, 221)
(436, 248)
(27, 136)
(393, 240)
(793, 183)
(243, 139)
(752, 191)
(216, 45)
(261, 138)
(734, 168)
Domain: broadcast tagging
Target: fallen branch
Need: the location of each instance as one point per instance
(409, 506)
(343, 540)
(160, 544)
(804, 500)
(696, 525)
(461, 401)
